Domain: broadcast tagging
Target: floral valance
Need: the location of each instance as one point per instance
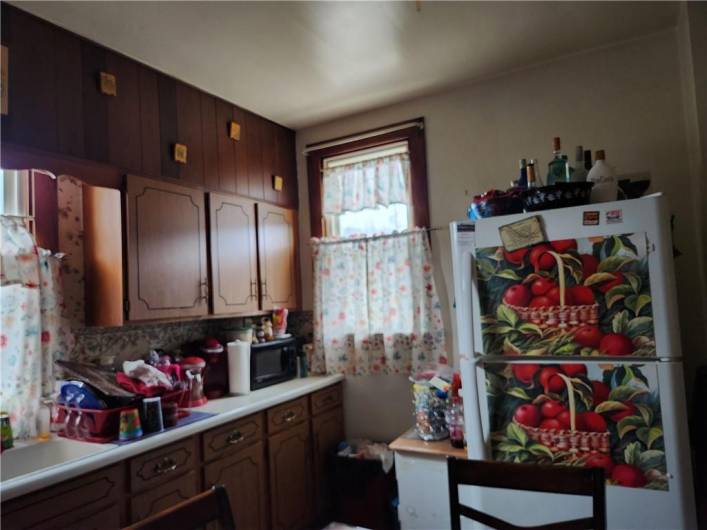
(366, 184)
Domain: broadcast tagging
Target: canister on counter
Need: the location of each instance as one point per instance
(5, 431)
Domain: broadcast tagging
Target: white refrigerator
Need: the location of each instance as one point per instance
(570, 354)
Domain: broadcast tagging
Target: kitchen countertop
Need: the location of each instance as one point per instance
(226, 409)
(409, 442)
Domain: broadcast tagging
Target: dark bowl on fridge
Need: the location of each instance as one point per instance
(493, 203)
(558, 195)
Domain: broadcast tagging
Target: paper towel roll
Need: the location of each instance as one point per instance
(239, 367)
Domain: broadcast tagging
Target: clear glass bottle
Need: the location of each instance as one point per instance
(530, 174)
(44, 419)
(578, 173)
(455, 422)
(556, 169)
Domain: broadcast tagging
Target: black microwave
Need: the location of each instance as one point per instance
(273, 362)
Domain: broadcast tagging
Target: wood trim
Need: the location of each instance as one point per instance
(414, 136)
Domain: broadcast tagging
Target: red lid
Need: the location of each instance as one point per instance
(193, 361)
(211, 342)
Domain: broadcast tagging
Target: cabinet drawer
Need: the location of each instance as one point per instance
(70, 504)
(287, 414)
(326, 399)
(163, 497)
(162, 465)
(232, 436)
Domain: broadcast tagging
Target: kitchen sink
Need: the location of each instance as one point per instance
(29, 457)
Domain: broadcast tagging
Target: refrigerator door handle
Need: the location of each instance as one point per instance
(477, 448)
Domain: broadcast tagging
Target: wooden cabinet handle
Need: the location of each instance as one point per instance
(264, 287)
(253, 289)
(235, 437)
(166, 465)
(204, 289)
(290, 417)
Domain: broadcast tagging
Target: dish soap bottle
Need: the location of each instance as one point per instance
(602, 175)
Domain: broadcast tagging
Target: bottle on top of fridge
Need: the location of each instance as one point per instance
(556, 168)
(578, 173)
(530, 173)
(602, 175)
(523, 175)
(587, 159)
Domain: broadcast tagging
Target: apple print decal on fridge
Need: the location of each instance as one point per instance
(570, 355)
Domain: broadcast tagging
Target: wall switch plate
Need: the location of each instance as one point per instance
(180, 153)
(277, 182)
(234, 130)
(109, 85)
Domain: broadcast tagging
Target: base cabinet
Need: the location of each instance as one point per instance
(290, 478)
(243, 474)
(162, 497)
(274, 465)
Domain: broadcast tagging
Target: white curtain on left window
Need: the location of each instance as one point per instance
(33, 333)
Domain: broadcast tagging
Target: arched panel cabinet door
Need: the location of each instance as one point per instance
(277, 244)
(234, 254)
(166, 241)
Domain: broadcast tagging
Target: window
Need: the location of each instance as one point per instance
(374, 182)
(368, 192)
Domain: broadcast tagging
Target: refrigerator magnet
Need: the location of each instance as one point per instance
(523, 233)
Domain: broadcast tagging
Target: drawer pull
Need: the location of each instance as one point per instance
(290, 417)
(166, 465)
(235, 437)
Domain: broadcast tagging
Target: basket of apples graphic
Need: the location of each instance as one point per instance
(551, 305)
(562, 429)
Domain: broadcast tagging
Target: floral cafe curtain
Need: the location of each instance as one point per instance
(33, 334)
(366, 184)
(376, 309)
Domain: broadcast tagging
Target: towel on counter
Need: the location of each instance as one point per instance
(142, 378)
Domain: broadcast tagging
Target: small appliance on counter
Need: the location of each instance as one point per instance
(193, 375)
(273, 362)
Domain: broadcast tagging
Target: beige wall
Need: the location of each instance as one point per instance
(626, 99)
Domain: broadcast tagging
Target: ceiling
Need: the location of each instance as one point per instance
(302, 63)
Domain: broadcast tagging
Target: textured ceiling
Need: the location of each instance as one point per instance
(301, 63)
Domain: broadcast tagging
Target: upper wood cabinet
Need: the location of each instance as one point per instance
(277, 234)
(166, 241)
(234, 259)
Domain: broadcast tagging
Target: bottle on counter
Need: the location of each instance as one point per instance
(602, 175)
(455, 414)
(578, 173)
(556, 169)
(530, 174)
(6, 437)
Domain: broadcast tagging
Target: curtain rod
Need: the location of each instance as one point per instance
(363, 136)
(381, 236)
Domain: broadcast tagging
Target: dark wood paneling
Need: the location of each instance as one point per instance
(167, 89)
(226, 158)
(241, 152)
(124, 146)
(95, 109)
(210, 141)
(31, 118)
(69, 104)
(269, 133)
(286, 166)
(149, 122)
(254, 144)
(189, 133)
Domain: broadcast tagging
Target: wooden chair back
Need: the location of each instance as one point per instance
(546, 479)
(209, 506)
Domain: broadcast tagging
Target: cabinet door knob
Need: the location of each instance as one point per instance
(235, 437)
(166, 465)
(290, 417)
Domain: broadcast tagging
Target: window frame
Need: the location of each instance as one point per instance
(415, 138)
